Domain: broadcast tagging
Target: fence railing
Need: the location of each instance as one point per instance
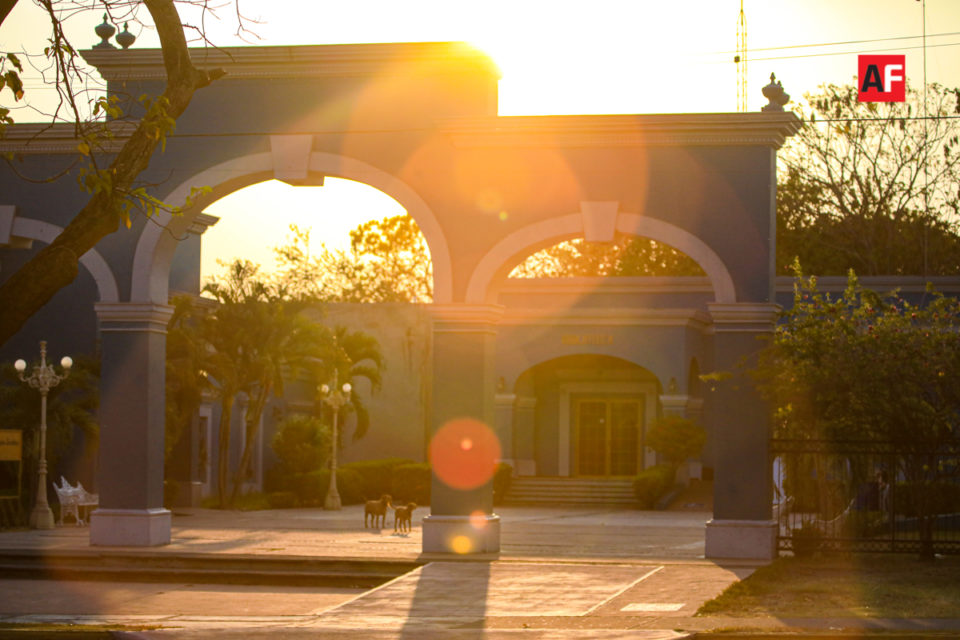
(866, 496)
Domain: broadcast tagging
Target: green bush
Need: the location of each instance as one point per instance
(376, 476)
(302, 445)
(311, 488)
(502, 478)
(282, 499)
(411, 483)
(254, 501)
(676, 439)
(651, 484)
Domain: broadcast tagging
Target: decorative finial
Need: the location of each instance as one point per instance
(105, 31)
(775, 95)
(125, 38)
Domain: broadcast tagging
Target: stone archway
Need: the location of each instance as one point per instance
(156, 244)
(419, 121)
(498, 262)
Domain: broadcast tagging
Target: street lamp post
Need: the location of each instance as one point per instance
(335, 399)
(43, 378)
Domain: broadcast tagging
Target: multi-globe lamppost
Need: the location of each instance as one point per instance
(43, 378)
(335, 399)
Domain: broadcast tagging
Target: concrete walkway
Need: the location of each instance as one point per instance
(562, 573)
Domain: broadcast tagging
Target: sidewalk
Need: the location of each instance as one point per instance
(562, 573)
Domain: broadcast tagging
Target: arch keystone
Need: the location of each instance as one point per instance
(599, 220)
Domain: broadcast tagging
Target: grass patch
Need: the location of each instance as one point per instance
(856, 585)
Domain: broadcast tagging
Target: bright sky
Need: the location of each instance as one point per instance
(605, 56)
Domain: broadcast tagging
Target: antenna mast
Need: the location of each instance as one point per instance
(741, 60)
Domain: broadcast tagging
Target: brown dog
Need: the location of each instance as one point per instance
(403, 517)
(376, 510)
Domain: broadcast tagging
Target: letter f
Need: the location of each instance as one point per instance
(889, 78)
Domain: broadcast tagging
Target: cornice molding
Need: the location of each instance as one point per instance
(681, 129)
(744, 316)
(309, 61)
(466, 314)
(60, 138)
(608, 317)
(606, 285)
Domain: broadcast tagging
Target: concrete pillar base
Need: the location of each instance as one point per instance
(746, 539)
(461, 535)
(130, 527)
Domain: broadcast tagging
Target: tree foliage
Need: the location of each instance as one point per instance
(250, 340)
(866, 367)
(871, 186)
(110, 180)
(627, 256)
(388, 261)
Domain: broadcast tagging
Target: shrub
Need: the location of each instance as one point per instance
(376, 476)
(676, 438)
(411, 483)
(311, 488)
(282, 499)
(651, 484)
(254, 501)
(502, 478)
(302, 445)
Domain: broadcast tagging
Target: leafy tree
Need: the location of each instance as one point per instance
(268, 338)
(251, 340)
(110, 181)
(388, 261)
(871, 186)
(627, 256)
(865, 367)
(676, 439)
(302, 444)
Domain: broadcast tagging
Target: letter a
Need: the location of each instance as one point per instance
(872, 79)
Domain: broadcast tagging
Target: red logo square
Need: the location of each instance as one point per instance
(882, 78)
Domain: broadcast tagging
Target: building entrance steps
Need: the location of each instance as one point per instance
(572, 491)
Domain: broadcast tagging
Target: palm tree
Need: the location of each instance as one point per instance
(353, 355)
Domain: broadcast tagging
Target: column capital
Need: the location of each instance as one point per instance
(133, 316)
(743, 316)
(465, 317)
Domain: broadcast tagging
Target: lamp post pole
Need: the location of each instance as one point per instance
(43, 378)
(335, 399)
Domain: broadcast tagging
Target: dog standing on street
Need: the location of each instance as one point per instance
(403, 517)
(376, 510)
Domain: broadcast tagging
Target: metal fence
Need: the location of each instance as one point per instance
(866, 496)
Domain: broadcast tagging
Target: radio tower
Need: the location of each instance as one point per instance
(741, 60)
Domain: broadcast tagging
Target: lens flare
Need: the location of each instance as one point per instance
(464, 453)
(478, 520)
(461, 544)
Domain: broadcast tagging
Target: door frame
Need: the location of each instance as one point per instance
(646, 391)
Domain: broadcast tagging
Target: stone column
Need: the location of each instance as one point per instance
(503, 403)
(133, 340)
(461, 520)
(742, 526)
(525, 437)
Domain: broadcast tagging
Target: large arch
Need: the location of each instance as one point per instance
(503, 256)
(155, 248)
(91, 260)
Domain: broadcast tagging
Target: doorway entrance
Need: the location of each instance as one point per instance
(608, 436)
